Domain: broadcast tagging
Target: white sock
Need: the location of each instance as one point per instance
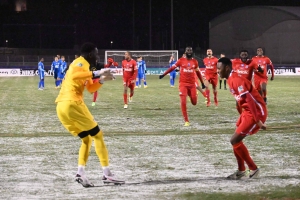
(80, 170)
(106, 171)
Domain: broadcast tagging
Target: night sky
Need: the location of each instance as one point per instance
(63, 24)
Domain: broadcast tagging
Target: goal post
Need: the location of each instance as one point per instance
(154, 59)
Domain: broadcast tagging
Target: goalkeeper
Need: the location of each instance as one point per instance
(75, 116)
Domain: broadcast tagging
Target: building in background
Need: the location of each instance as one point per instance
(274, 28)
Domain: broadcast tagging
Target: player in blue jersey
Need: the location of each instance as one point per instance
(62, 70)
(41, 71)
(142, 70)
(172, 61)
(55, 68)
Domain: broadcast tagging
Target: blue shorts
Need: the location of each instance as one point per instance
(141, 76)
(55, 74)
(42, 75)
(173, 74)
(61, 75)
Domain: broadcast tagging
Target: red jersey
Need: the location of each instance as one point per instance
(263, 62)
(244, 69)
(129, 69)
(187, 70)
(239, 87)
(210, 66)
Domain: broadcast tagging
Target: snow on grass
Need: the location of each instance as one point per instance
(165, 165)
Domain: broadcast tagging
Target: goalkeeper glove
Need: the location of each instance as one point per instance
(103, 72)
(161, 76)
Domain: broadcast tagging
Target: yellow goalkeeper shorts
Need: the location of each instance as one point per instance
(75, 116)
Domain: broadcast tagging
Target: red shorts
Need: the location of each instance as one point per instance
(128, 82)
(258, 81)
(212, 79)
(187, 90)
(246, 124)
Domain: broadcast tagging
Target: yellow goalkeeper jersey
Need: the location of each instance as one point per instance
(77, 78)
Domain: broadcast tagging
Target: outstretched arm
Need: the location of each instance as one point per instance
(168, 71)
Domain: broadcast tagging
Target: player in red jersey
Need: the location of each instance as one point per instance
(188, 67)
(129, 75)
(211, 76)
(244, 67)
(261, 79)
(251, 119)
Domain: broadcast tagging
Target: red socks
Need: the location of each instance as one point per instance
(183, 108)
(125, 98)
(243, 155)
(207, 95)
(95, 96)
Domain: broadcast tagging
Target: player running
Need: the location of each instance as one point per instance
(75, 116)
(251, 119)
(245, 67)
(188, 67)
(129, 76)
(211, 76)
(142, 70)
(261, 79)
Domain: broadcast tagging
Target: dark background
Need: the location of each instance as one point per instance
(66, 24)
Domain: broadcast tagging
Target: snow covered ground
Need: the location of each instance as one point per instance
(163, 165)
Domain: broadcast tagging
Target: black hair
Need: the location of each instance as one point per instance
(244, 50)
(87, 48)
(226, 61)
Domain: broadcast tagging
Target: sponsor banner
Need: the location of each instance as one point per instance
(9, 72)
(158, 71)
(281, 70)
(34, 73)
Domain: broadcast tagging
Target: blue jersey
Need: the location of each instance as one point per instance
(62, 69)
(55, 66)
(41, 70)
(171, 64)
(141, 67)
(63, 66)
